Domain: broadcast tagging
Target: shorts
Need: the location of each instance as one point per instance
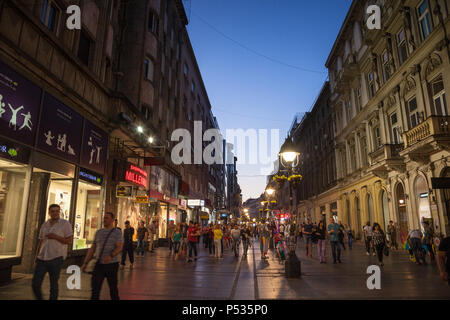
(308, 239)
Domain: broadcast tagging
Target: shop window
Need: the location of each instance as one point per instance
(13, 197)
(148, 69)
(87, 215)
(50, 14)
(60, 192)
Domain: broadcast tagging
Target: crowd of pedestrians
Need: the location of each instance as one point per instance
(103, 258)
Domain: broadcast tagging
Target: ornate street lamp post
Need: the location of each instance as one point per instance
(289, 161)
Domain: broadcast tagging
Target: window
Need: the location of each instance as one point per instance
(396, 138)
(402, 47)
(424, 19)
(413, 113)
(363, 143)
(146, 112)
(358, 98)
(153, 22)
(386, 66)
(84, 48)
(50, 15)
(353, 155)
(148, 71)
(193, 87)
(186, 70)
(439, 101)
(377, 136)
(349, 110)
(371, 85)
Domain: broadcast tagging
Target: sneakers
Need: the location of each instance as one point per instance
(373, 254)
(368, 254)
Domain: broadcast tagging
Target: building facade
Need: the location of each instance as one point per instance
(390, 116)
(86, 118)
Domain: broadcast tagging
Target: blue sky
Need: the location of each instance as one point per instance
(249, 91)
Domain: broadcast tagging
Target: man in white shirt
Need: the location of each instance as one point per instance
(54, 237)
(368, 238)
(414, 240)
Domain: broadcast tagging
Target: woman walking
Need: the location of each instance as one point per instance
(176, 238)
(218, 234)
(349, 236)
(379, 241)
(321, 242)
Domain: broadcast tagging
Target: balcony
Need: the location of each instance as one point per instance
(385, 159)
(431, 136)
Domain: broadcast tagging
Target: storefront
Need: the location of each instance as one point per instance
(48, 154)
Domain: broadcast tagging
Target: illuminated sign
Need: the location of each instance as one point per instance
(136, 175)
(124, 191)
(14, 152)
(90, 177)
(196, 203)
(141, 199)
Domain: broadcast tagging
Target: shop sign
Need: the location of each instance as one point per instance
(124, 191)
(440, 183)
(94, 148)
(91, 177)
(136, 175)
(142, 199)
(183, 203)
(196, 203)
(59, 130)
(19, 106)
(14, 152)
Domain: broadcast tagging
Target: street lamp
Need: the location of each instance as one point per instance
(270, 191)
(289, 160)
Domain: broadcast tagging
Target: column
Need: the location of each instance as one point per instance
(383, 126)
(357, 150)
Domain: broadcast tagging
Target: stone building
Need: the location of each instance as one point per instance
(391, 118)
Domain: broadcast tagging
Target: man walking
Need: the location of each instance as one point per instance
(107, 247)
(245, 235)
(54, 237)
(170, 232)
(307, 231)
(151, 235)
(414, 240)
(443, 259)
(235, 236)
(333, 231)
(142, 234)
(392, 233)
(192, 235)
(128, 233)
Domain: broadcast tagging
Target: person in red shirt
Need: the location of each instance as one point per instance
(192, 235)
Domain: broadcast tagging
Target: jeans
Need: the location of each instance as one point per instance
(245, 246)
(176, 247)
(192, 246)
(368, 243)
(218, 247)
(150, 242)
(236, 247)
(211, 245)
(416, 246)
(127, 249)
(170, 244)
(322, 249)
(102, 271)
(53, 267)
(350, 242)
(379, 248)
(336, 250)
(140, 246)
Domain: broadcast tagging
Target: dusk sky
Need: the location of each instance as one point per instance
(252, 55)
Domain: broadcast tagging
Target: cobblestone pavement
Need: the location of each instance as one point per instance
(157, 277)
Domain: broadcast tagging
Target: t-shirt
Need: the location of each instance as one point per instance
(50, 248)
(415, 234)
(308, 228)
(183, 230)
(192, 231)
(245, 234)
(445, 247)
(334, 236)
(177, 237)
(141, 233)
(368, 230)
(99, 241)
(218, 234)
(128, 235)
(170, 230)
(235, 233)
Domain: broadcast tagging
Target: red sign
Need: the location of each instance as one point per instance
(136, 175)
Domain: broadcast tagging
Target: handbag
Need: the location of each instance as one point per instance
(386, 251)
(93, 262)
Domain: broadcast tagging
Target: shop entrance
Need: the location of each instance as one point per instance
(402, 215)
(423, 203)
